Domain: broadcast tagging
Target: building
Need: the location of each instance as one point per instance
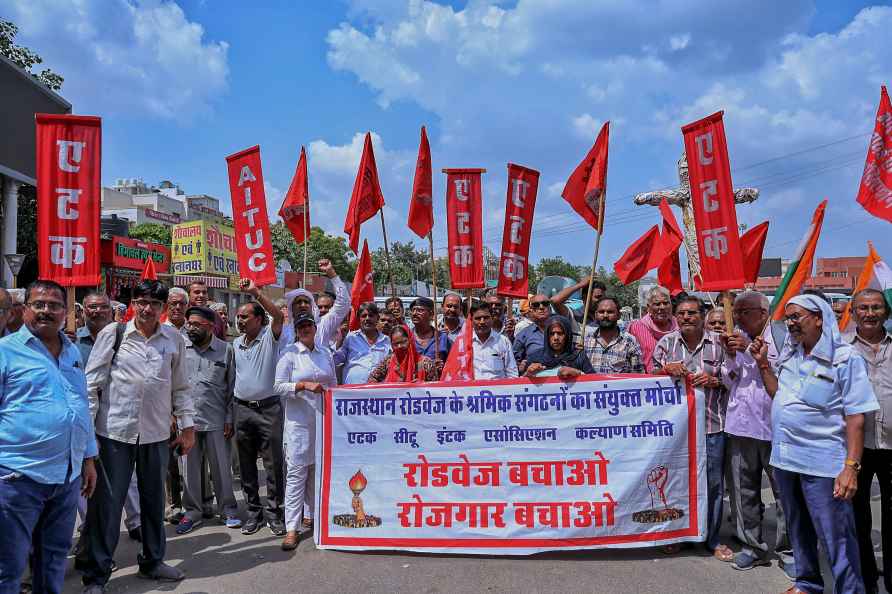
(123, 260)
(22, 97)
(201, 207)
(836, 275)
(145, 207)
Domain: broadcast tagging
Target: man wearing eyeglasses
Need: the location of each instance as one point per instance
(133, 392)
(531, 339)
(47, 444)
(874, 343)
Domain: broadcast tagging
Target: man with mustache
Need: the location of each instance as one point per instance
(531, 340)
(363, 349)
(874, 343)
(451, 321)
(47, 445)
(210, 364)
(657, 323)
(198, 297)
(609, 349)
(134, 389)
(177, 302)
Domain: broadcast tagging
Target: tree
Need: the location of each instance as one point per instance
(151, 232)
(25, 58)
(26, 234)
(627, 295)
(320, 246)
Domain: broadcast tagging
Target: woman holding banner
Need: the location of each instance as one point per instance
(304, 371)
(403, 364)
(558, 357)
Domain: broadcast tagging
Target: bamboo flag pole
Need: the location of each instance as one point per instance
(600, 231)
(387, 253)
(306, 246)
(430, 240)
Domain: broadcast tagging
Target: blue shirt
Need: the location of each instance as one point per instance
(45, 426)
(442, 350)
(808, 413)
(359, 357)
(528, 342)
(84, 341)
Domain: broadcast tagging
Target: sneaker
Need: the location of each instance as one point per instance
(789, 570)
(175, 516)
(745, 561)
(233, 522)
(163, 573)
(277, 527)
(187, 525)
(252, 525)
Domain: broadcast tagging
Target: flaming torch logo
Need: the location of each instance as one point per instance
(358, 519)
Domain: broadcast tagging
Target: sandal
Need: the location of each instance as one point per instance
(307, 523)
(723, 554)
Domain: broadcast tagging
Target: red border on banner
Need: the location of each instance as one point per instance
(459, 543)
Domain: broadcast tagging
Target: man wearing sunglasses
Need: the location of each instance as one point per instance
(136, 379)
(531, 339)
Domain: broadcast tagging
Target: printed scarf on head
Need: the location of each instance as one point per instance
(405, 369)
(831, 338)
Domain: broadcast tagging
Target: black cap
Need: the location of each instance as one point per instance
(303, 318)
(205, 312)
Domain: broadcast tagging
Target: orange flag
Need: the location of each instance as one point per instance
(800, 266)
(421, 207)
(586, 187)
(295, 210)
(148, 273)
(363, 289)
(366, 199)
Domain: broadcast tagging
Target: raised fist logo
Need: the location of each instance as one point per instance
(656, 482)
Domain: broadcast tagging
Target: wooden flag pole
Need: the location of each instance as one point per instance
(387, 253)
(726, 307)
(588, 295)
(306, 246)
(71, 318)
(430, 240)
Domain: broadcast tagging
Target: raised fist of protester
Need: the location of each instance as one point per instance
(327, 269)
(248, 286)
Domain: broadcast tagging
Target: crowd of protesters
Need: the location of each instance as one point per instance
(153, 418)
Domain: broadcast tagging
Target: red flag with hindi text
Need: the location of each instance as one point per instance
(459, 364)
(712, 196)
(253, 242)
(875, 193)
(752, 243)
(643, 255)
(421, 206)
(465, 227)
(363, 289)
(520, 203)
(69, 195)
(586, 187)
(367, 198)
(295, 210)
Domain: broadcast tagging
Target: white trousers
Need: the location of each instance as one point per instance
(300, 490)
(131, 504)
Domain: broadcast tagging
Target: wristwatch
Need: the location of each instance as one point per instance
(855, 464)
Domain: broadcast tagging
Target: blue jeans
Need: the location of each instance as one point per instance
(813, 513)
(715, 487)
(40, 516)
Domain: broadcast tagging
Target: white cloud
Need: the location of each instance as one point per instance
(586, 126)
(679, 42)
(126, 57)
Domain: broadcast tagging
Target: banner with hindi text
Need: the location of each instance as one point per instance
(511, 467)
(464, 226)
(253, 240)
(520, 205)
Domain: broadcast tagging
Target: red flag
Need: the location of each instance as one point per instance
(715, 214)
(253, 241)
(363, 289)
(464, 226)
(587, 184)
(751, 244)
(875, 193)
(523, 183)
(69, 155)
(295, 210)
(669, 272)
(459, 366)
(421, 207)
(366, 199)
(643, 255)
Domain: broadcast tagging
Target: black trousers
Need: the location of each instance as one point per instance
(879, 463)
(258, 431)
(103, 524)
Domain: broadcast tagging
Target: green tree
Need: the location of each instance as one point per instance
(319, 246)
(26, 234)
(626, 294)
(25, 58)
(152, 232)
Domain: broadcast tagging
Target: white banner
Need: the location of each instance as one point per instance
(511, 467)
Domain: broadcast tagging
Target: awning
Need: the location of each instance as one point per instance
(214, 282)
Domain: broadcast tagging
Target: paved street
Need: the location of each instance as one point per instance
(217, 560)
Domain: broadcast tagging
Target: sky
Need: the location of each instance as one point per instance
(180, 85)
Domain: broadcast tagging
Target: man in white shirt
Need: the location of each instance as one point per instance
(493, 357)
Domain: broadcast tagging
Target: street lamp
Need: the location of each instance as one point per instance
(14, 261)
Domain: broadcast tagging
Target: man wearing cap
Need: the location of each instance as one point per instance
(820, 390)
(258, 411)
(210, 366)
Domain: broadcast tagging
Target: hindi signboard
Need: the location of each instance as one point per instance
(511, 467)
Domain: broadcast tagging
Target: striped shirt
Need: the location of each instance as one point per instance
(707, 357)
(620, 355)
